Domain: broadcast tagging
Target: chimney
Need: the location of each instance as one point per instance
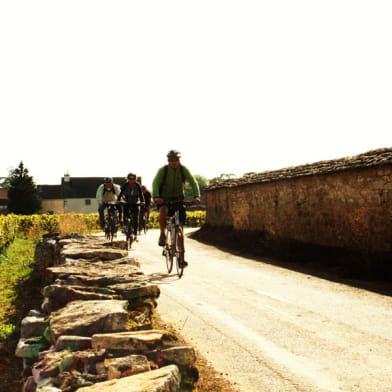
(67, 177)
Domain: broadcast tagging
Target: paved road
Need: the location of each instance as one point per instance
(271, 329)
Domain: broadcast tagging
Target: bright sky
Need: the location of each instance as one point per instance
(101, 88)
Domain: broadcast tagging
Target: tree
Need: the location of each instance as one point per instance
(223, 177)
(23, 195)
(202, 181)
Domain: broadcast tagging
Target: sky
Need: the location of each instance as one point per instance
(103, 88)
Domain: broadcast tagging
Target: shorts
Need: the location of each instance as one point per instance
(171, 209)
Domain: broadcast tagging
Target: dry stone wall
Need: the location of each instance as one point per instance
(94, 329)
(338, 207)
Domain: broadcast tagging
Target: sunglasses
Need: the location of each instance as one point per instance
(132, 178)
(173, 159)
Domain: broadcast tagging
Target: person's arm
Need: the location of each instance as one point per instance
(117, 189)
(141, 196)
(99, 193)
(192, 181)
(156, 184)
(121, 193)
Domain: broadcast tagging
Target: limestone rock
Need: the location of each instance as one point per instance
(136, 290)
(84, 318)
(73, 343)
(166, 379)
(134, 341)
(97, 274)
(33, 324)
(53, 363)
(30, 347)
(57, 295)
(126, 366)
(93, 254)
(183, 356)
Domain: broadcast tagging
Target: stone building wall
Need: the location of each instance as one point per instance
(338, 204)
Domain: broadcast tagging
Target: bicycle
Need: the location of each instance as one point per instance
(143, 222)
(111, 221)
(174, 250)
(128, 226)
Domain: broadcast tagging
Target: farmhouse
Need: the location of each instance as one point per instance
(75, 194)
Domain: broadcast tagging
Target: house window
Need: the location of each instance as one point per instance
(87, 202)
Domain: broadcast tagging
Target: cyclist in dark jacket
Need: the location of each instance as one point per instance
(131, 196)
(148, 200)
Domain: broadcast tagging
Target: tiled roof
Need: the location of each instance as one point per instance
(84, 187)
(382, 156)
(50, 191)
(76, 187)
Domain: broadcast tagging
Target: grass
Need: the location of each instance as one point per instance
(16, 264)
(19, 292)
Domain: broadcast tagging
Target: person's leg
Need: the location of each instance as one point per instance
(101, 209)
(125, 217)
(119, 208)
(135, 218)
(162, 224)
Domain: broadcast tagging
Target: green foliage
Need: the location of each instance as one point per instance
(223, 177)
(6, 330)
(15, 264)
(23, 194)
(8, 229)
(33, 226)
(193, 219)
(202, 181)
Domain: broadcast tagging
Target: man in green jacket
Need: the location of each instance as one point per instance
(168, 185)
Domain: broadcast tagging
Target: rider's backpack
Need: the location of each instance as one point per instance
(165, 169)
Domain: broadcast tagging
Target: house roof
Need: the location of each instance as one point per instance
(50, 191)
(75, 187)
(84, 187)
(382, 156)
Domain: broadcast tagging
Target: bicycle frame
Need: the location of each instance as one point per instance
(128, 227)
(111, 221)
(174, 249)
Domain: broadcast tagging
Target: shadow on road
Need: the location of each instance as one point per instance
(162, 278)
(309, 266)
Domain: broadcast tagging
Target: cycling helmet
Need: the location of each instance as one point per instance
(108, 179)
(174, 154)
(131, 175)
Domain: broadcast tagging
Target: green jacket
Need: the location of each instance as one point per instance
(172, 186)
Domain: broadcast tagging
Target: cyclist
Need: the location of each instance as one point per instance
(131, 195)
(106, 192)
(148, 201)
(169, 184)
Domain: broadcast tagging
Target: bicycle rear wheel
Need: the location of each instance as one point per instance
(142, 223)
(179, 250)
(168, 252)
(112, 226)
(106, 228)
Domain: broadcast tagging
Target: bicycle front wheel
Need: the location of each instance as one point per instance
(168, 252)
(128, 231)
(179, 250)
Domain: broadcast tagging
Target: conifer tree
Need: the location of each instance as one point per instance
(23, 195)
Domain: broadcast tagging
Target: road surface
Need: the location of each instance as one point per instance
(270, 329)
